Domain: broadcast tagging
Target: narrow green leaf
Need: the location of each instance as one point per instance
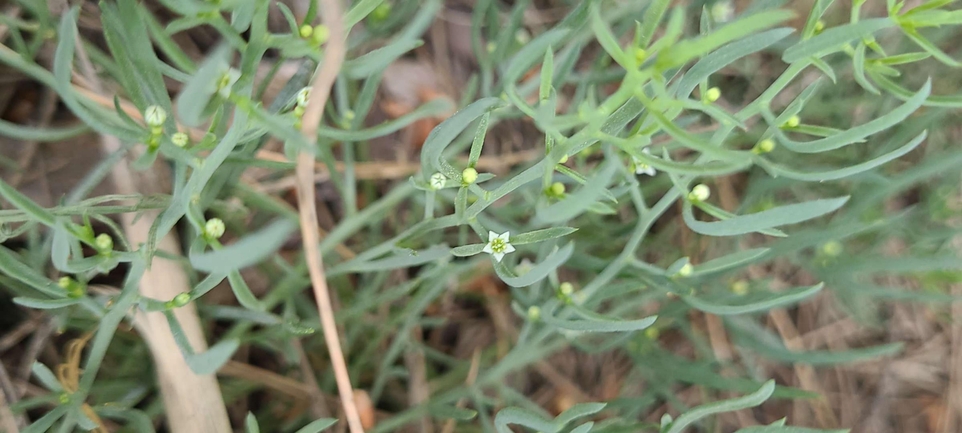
(250, 424)
(521, 417)
(46, 377)
(541, 235)
(248, 251)
(653, 16)
(442, 135)
(750, 223)
(193, 98)
(429, 109)
(478, 142)
(730, 261)
(576, 203)
(467, 250)
(930, 48)
(377, 60)
(752, 303)
(597, 323)
(857, 133)
(451, 412)
(858, 63)
(786, 429)
(536, 273)
(779, 170)
(20, 132)
(751, 400)
(45, 304)
(833, 39)
(689, 49)
(317, 426)
(405, 259)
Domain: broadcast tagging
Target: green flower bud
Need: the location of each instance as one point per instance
(381, 12)
(712, 94)
(700, 192)
(306, 31)
(792, 122)
(832, 248)
(819, 26)
(321, 34)
(534, 313)
(764, 146)
(566, 289)
(155, 116)
(652, 333)
(739, 287)
(180, 300)
(686, 270)
(214, 228)
(104, 243)
(640, 55)
(557, 189)
(65, 282)
(469, 175)
(180, 139)
(564, 159)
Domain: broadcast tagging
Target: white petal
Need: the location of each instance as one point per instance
(649, 171)
(508, 248)
(492, 236)
(498, 256)
(646, 150)
(504, 236)
(487, 249)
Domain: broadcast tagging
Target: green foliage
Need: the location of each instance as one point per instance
(627, 74)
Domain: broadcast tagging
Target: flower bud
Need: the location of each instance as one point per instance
(764, 146)
(437, 181)
(104, 243)
(686, 270)
(712, 94)
(303, 96)
(700, 192)
(306, 31)
(321, 34)
(534, 313)
(180, 300)
(214, 228)
(469, 175)
(557, 189)
(740, 287)
(792, 122)
(155, 116)
(180, 139)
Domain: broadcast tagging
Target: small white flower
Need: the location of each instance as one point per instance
(438, 180)
(641, 167)
(498, 245)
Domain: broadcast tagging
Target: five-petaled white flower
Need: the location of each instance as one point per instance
(641, 167)
(498, 245)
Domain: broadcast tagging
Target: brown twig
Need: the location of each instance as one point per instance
(306, 196)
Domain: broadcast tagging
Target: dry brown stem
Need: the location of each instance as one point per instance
(306, 200)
